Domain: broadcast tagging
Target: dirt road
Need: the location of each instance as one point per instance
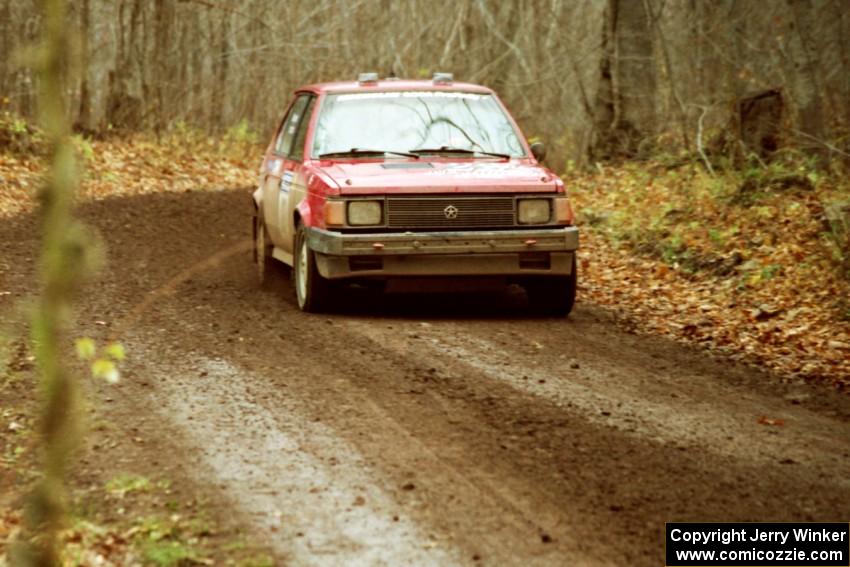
(433, 430)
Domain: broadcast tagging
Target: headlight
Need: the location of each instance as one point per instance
(534, 211)
(363, 213)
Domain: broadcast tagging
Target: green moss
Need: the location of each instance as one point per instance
(167, 553)
(124, 484)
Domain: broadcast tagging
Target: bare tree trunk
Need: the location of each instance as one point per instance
(221, 73)
(635, 63)
(625, 101)
(715, 39)
(733, 67)
(696, 10)
(24, 77)
(5, 45)
(84, 110)
(199, 95)
(142, 59)
(604, 109)
(161, 68)
(681, 113)
(806, 84)
(843, 40)
(124, 108)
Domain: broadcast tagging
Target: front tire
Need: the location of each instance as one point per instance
(312, 291)
(554, 296)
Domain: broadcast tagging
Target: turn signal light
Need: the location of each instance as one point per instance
(563, 211)
(335, 213)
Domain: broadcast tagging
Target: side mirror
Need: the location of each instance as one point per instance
(538, 150)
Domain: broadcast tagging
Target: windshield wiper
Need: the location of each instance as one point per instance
(450, 150)
(367, 152)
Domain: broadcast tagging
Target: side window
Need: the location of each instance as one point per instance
(290, 125)
(278, 144)
(297, 152)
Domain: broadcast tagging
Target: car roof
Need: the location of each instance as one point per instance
(393, 85)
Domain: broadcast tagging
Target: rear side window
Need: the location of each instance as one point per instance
(297, 152)
(283, 145)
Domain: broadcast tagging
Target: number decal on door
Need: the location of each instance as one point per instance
(286, 181)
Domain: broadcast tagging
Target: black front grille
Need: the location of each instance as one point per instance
(451, 212)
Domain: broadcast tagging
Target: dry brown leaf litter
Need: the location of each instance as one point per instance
(134, 166)
(676, 256)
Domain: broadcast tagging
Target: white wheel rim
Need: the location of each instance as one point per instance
(301, 272)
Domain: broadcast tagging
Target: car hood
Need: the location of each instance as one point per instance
(479, 176)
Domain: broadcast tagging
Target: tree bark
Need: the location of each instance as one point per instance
(843, 41)
(84, 110)
(806, 86)
(625, 100)
(161, 42)
(5, 45)
(221, 73)
(669, 72)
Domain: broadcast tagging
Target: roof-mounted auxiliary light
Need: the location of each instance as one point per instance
(367, 78)
(443, 78)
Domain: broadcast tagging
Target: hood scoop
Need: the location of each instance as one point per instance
(407, 165)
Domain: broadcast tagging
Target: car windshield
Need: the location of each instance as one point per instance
(403, 121)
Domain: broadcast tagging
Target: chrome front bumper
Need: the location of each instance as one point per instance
(547, 251)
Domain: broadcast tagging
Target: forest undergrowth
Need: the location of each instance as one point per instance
(752, 263)
(126, 165)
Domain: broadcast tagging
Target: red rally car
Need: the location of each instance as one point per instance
(383, 179)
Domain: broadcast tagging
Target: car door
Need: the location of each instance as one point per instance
(279, 172)
(293, 185)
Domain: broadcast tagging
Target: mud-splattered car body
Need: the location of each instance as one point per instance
(373, 180)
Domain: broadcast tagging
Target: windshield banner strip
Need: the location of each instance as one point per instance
(411, 94)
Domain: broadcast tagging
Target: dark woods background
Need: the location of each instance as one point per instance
(595, 79)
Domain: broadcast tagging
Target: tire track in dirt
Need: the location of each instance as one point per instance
(457, 505)
(617, 395)
(290, 476)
